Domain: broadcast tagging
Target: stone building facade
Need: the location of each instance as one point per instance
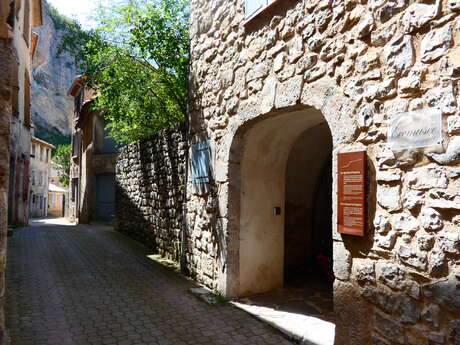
(7, 57)
(337, 71)
(9, 37)
(93, 161)
(150, 191)
(27, 14)
(40, 166)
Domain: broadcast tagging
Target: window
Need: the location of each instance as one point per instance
(41, 153)
(33, 199)
(33, 150)
(40, 178)
(108, 144)
(47, 155)
(74, 188)
(15, 90)
(254, 7)
(33, 177)
(76, 144)
(41, 202)
(26, 99)
(201, 157)
(26, 26)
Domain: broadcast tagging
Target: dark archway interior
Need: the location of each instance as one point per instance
(308, 221)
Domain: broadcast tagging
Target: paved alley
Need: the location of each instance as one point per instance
(81, 285)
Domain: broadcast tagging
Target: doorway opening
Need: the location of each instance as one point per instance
(285, 223)
(308, 220)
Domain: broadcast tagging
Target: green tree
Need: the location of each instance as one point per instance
(137, 60)
(61, 160)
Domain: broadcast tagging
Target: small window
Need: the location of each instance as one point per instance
(47, 155)
(33, 177)
(74, 188)
(109, 145)
(15, 89)
(41, 153)
(26, 26)
(26, 99)
(33, 150)
(201, 158)
(254, 7)
(41, 202)
(76, 144)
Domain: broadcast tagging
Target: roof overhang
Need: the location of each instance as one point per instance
(42, 142)
(76, 85)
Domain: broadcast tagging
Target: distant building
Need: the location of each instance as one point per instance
(40, 166)
(57, 200)
(94, 154)
(27, 14)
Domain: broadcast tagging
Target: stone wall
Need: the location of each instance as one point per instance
(149, 192)
(6, 57)
(359, 62)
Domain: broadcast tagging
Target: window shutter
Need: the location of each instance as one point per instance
(201, 158)
(26, 24)
(252, 6)
(15, 89)
(26, 99)
(25, 182)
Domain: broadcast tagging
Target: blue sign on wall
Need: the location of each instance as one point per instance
(201, 159)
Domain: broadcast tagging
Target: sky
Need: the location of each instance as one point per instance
(78, 9)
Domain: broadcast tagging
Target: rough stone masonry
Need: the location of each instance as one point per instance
(7, 58)
(149, 191)
(359, 62)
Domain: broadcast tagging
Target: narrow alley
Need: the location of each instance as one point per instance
(85, 284)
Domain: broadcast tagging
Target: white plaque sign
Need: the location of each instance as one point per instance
(418, 128)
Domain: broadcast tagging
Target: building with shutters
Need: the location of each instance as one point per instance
(13, 59)
(281, 92)
(93, 161)
(27, 14)
(40, 167)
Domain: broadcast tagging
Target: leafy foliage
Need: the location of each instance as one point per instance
(137, 60)
(61, 160)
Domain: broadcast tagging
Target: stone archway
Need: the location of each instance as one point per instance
(318, 103)
(261, 149)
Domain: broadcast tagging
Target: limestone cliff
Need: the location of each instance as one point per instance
(52, 76)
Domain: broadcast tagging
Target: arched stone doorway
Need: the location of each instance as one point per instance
(269, 156)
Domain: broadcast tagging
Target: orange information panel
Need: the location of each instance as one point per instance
(351, 201)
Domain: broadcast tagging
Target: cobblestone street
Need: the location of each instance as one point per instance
(81, 285)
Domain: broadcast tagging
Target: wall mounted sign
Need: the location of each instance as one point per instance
(351, 217)
(414, 129)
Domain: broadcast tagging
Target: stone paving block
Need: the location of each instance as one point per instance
(87, 286)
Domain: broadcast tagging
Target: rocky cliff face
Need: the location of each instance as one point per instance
(52, 76)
